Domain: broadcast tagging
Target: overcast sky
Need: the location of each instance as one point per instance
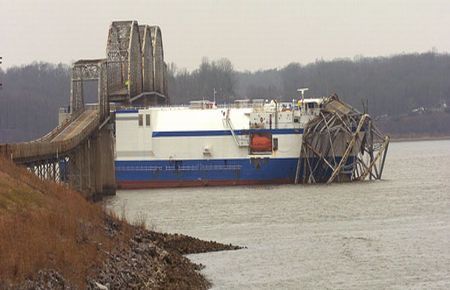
(252, 34)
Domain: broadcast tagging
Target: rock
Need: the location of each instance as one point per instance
(142, 259)
(46, 279)
(100, 286)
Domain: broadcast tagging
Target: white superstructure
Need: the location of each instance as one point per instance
(205, 144)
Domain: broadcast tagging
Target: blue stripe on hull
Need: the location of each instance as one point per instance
(216, 171)
(264, 169)
(157, 134)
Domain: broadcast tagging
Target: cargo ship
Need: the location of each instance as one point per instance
(249, 142)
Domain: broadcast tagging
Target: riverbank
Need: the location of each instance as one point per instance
(410, 138)
(417, 127)
(51, 237)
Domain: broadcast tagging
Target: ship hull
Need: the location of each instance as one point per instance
(184, 173)
(223, 172)
(179, 147)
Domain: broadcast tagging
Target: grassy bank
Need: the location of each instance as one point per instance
(50, 234)
(45, 226)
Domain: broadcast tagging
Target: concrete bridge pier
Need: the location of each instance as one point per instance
(100, 180)
(91, 166)
(104, 163)
(78, 170)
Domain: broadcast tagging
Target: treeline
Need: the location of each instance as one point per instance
(30, 98)
(391, 85)
(211, 78)
(32, 94)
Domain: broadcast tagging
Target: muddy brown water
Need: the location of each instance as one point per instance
(393, 233)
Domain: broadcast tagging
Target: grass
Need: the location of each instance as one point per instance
(44, 225)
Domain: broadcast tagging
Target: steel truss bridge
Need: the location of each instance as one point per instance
(80, 151)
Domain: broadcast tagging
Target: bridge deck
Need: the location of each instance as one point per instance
(59, 141)
(76, 127)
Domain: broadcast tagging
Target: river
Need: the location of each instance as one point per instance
(393, 233)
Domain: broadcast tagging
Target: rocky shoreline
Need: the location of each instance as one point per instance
(138, 259)
(53, 238)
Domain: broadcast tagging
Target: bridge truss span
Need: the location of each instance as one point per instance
(80, 151)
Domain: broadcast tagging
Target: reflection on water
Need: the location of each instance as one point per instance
(390, 233)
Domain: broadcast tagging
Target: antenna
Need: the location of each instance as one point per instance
(365, 104)
(302, 91)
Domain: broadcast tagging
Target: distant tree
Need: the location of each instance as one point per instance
(201, 83)
(30, 99)
(32, 94)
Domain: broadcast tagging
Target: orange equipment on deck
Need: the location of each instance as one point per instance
(261, 143)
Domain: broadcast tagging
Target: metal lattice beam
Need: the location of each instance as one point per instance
(124, 60)
(341, 144)
(147, 58)
(158, 60)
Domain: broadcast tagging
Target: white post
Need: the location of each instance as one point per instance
(302, 91)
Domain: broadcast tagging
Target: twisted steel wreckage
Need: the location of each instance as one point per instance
(131, 138)
(339, 133)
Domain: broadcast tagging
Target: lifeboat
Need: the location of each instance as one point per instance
(261, 143)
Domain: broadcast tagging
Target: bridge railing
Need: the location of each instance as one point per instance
(53, 133)
(41, 149)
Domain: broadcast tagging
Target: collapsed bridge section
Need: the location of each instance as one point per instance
(341, 144)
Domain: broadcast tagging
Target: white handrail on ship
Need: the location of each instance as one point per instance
(228, 121)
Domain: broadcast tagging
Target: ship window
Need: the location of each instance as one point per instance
(275, 144)
(141, 120)
(147, 120)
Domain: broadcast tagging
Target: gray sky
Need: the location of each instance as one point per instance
(252, 34)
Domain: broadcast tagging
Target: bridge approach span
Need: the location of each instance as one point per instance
(79, 153)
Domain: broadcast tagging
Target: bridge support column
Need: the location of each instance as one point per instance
(103, 163)
(108, 167)
(79, 169)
